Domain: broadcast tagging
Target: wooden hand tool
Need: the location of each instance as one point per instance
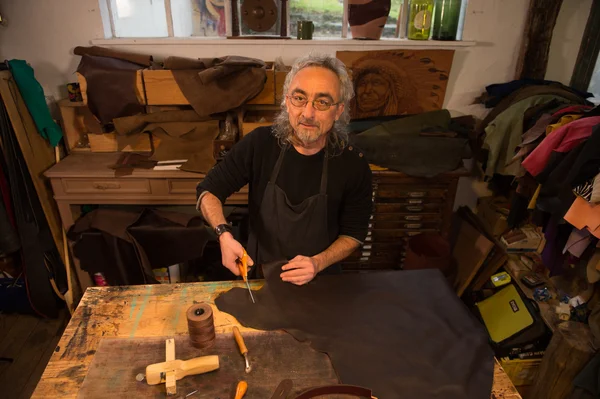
(241, 389)
(243, 265)
(172, 370)
(243, 350)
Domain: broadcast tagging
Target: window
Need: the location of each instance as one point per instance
(211, 18)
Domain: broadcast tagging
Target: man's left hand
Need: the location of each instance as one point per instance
(299, 270)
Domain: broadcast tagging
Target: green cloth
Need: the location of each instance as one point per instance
(504, 134)
(34, 98)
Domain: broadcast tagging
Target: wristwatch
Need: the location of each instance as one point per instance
(222, 228)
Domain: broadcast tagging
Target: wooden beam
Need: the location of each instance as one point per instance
(541, 19)
(588, 52)
(569, 351)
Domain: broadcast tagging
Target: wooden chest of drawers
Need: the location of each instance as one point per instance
(402, 208)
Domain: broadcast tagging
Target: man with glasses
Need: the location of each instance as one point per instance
(310, 192)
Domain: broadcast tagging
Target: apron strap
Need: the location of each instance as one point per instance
(323, 190)
(275, 171)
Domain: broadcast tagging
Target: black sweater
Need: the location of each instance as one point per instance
(252, 160)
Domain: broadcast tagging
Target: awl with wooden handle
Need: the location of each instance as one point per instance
(243, 265)
(243, 350)
(241, 389)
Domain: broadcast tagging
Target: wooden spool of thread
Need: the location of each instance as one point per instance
(201, 325)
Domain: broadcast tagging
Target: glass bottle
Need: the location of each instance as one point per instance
(419, 19)
(445, 22)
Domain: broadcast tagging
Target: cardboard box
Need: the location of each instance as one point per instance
(493, 213)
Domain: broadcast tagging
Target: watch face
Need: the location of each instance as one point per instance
(222, 228)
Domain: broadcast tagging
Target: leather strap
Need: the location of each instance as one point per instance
(336, 390)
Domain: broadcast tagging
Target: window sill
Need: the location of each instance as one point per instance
(278, 42)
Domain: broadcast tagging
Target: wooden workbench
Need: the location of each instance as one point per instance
(148, 311)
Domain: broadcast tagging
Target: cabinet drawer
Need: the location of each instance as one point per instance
(409, 225)
(182, 186)
(411, 206)
(99, 186)
(392, 191)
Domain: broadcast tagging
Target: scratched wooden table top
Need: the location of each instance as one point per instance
(148, 311)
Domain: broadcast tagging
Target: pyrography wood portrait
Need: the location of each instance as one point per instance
(397, 82)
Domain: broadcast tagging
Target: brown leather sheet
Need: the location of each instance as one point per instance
(110, 87)
(117, 361)
(186, 140)
(401, 334)
(140, 59)
(214, 85)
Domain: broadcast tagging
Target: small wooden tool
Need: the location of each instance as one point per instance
(243, 350)
(241, 389)
(172, 370)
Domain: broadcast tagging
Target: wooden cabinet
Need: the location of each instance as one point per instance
(402, 208)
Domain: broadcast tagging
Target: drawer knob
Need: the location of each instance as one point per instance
(414, 208)
(107, 186)
(417, 194)
(414, 218)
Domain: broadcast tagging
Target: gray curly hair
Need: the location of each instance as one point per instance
(338, 136)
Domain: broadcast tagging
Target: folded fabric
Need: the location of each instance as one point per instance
(584, 215)
(572, 109)
(561, 122)
(504, 134)
(577, 242)
(562, 139)
(33, 95)
(531, 137)
(530, 91)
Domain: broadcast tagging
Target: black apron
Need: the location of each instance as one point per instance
(284, 230)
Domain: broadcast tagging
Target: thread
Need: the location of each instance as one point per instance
(201, 325)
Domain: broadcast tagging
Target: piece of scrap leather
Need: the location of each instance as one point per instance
(192, 141)
(114, 99)
(213, 85)
(402, 334)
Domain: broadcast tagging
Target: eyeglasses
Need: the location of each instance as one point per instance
(320, 104)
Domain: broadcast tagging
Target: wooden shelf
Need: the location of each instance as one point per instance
(517, 269)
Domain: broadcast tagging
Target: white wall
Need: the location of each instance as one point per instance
(566, 39)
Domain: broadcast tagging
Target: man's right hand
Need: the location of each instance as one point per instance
(232, 250)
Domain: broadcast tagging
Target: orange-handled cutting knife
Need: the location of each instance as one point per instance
(243, 265)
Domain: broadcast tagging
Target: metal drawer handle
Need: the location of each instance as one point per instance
(415, 201)
(413, 225)
(413, 218)
(107, 186)
(417, 194)
(414, 208)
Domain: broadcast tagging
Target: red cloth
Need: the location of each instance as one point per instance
(572, 109)
(563, 139)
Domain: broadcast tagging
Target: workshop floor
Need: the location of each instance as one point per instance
(29, 341)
